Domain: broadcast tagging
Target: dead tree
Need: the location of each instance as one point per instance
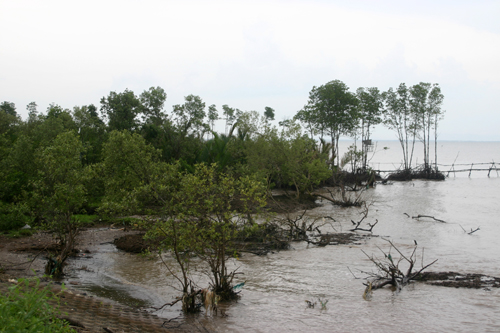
(390, 270)
(364, 216)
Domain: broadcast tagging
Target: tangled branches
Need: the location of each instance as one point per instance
(391, 271)
(364, 213)
(298, 226)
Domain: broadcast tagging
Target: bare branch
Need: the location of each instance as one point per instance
(389, 269)
(364, 216)
(353, 273)
(428, 216)
(473, 231)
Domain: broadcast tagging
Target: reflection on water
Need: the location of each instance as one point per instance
(278, 284)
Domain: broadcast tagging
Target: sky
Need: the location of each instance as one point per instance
(253, 54)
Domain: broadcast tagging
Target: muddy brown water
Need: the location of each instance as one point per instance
(278, 284)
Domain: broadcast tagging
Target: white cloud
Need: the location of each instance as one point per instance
(248, 54)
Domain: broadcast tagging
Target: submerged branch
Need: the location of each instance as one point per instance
(428, 216)
(471, 230)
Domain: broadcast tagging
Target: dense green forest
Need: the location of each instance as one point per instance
(94, 157)
(130, 156)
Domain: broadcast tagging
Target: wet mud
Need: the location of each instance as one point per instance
(132, 243)
(459, 280)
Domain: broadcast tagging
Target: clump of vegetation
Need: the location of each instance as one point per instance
(262, 238)
(87, 220)
(21, 233)
(58, 193)
(200, 215)
(26, 308)
(419, 173)
(13, 217)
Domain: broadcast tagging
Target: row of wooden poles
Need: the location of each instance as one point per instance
(473, 167)
(490, 166)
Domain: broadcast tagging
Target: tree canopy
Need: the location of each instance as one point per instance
(135, 157)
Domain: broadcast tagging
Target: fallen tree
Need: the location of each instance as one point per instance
(390, 270)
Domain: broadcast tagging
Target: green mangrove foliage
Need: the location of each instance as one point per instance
(413, 113)
(128, 163)
(287, 159)
(59, 192)
(200, 214)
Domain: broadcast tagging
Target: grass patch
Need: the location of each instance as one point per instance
(13, 217)
(87, 220)
(126, 222)
(21, 233)
(25, 308)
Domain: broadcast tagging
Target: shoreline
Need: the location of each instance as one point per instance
(24, 258)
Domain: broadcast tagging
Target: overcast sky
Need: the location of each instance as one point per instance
(253, 54)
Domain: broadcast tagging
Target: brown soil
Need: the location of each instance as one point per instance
(26, 256)
(134, 243)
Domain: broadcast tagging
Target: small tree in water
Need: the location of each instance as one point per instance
(59, 192)
(200, 215)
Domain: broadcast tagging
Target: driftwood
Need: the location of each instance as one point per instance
(357, 228)
(471, 230)
(431, 217)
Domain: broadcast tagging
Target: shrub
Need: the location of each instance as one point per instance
(12, 217)
(26, 308)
